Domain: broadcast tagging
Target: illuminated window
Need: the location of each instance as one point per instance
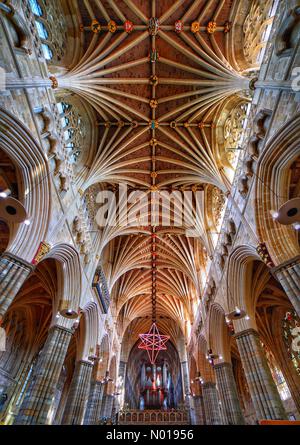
(257, 29)
(73, 134)
(65, 122)
(291, 334)
(35, 7)
(47, 52)
(280, 382)
(277, 375)
(42, 30)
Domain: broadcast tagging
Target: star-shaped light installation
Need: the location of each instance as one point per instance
(153, 342)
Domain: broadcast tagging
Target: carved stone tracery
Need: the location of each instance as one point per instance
(254, 29)
(234, 130)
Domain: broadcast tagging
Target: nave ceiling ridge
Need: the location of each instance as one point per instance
(158, 93)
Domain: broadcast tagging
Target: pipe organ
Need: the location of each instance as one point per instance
(155, 386)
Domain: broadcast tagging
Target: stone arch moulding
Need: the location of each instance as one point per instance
(69, 277)
(112, 375)
(88, 349)
(29, 158)
(238, 284)
(103, 356)
(219, 339)
(272, 191)
(204, 367)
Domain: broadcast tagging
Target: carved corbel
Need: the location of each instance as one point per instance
(19, 25)
(243, 185)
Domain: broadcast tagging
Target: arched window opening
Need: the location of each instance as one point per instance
(280, 382)
(42, 30)
(234, 134)
(277, 375)
(36, 7)
(47, 52)
(65, 122)
(63, 107)
(257, 29)
(48, 24)
(73, 130)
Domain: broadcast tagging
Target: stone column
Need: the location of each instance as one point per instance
(228, 394)
(39, 398)
(263, 391)
(8, 388)
(122, 369)
(78, 394)
(122, 374)
(288, 275)
(185, 377)
(13, 273)
(211, 404)
(165, 375)
(103, 402)
(186, 386)
(107, 405)
(115, 410)
(92, 415)
(143, 376)
(199, 410)
(58, 404)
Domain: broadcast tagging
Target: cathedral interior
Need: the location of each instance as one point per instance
(149, 212)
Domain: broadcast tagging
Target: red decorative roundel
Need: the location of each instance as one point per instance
(128, 26)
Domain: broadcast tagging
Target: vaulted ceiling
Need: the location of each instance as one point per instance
(157, 74)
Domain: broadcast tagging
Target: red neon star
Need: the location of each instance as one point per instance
(153, 342)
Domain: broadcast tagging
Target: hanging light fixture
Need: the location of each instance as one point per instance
(106, 379)
(153, 342)
(288, 213)
(69, 313)
(12, 210)
(237, 314)
(211, 357)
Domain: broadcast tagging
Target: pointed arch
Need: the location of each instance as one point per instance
(69, 276)
(206, 370)
(237, 287)
(103, 357)
(272, 182)
(88, 341)
(19, 144)
(219, 339)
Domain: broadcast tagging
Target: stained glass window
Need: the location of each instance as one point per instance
(277, 375)
(42, 30)
(280, 382)
(48, 54)
(35, 7)
(291, 336)
(63, 107)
